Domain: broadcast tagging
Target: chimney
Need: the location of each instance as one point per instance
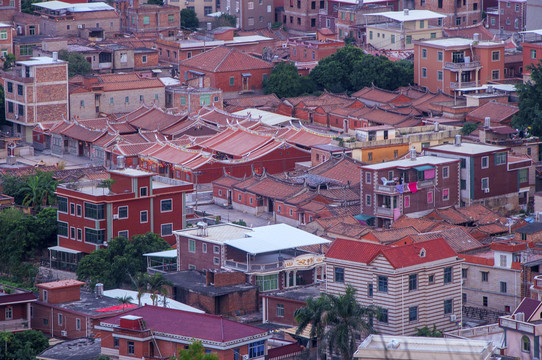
(436, 126)
(99, 290)
(209, 26)
(55, 56)
(476, 37)
(457, 141)
(120, 162)
(405, 12)
(413, 154)
(487, 122)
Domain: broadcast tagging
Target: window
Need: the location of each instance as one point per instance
(502, 259)
(143, 216)
(94, 211)
(94, 236)
(143, 191)
(533, 54)
(440, 56)
(267, 282)
(111, 101)
(525, 343)
(464, 273)
(216, 261)
(495, 75)
(464, 298)
(45, 295)
(370, 290)
(3, 35)
(79, 235)
(9, 313)
(232, 81)
(123, 212)
(144, 59)
(126, 99)
(251, 5)
(170, 18)
(500, 158)
(523, 175)
(393, 39)
(395, 154)
(448, 306)
(45, 322)
(60, 319)
(72, 233)
(424, 72)
(72, 209)
(279, 209)
(370, 35)
(256, 349)
(63, 229)
(146, 20)
(250, 21)
(484, 301)
(485, 162)
(20, 90)
(424, 53)
(458, 21)
(445, 172)
(10, 87)
(433, 35)
(412, 282)
(339, 274)
(439, 75)
(368, 200)
(431, 279)
(370, 156)
(191, 245)
(485, 183)
(204, 100)
(166, 205)
(216, 249)
(503, 287)
(26, 50)
(413, 313)
(429, 197)
(383, 283)
(422, 24)
(485, 276)
(280, 310)
(447, 275)
(131, 346)
(409, 39)
(407, 201)
(445, 194)
(383, 316)
(495, 55)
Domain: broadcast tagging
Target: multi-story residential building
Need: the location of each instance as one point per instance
(137, 202)
(302, 15)
(113, 93)
(509, 16)
(35, 90)
(312, 50)
(532, 53)
(490, 175)
(454, 63)
(15, 313)
(270, 256)
(458, 12)
(156, 332)
(65, 19)
(279, 307)
(534, 15)
(201, 7)
(522, 330)
(251, 14)
(416, 285)
(148, 18)
(6, 39)
(398, 29)
(352, 19)
(394, 188)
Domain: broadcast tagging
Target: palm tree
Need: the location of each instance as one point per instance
(337, 320)
(157, 284)
(39, 189)
(124, 300)
(141, 282)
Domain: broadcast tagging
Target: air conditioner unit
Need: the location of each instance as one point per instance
(486, 190)
(227, 8)
(453, 318)
(115, 216)
(245, 357)
(284, 45)
(64, 333)
(79, 26)
(16, 116)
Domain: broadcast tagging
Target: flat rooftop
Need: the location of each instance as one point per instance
(216, 233)
(41, 60)
(466, 148)
(196, 282)
(297, 294)
(409, 15)
(453, 42)
(90, 305)
(409, 163)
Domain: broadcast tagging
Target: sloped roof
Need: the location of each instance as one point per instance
(236, 143)
(225, 59)
(344, 170)
(497, 112)
(457, 237)
(156, 119)
(390, 235)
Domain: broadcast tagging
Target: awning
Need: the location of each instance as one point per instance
(246, 74)
(424, 167)
(156, 71)
(163, 254)
(63, 249)
(362, 217)
(196, 72)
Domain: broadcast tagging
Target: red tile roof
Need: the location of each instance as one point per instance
(190, 325)
(156, 119)
(498, 113)
(225, 59)
(60, 284)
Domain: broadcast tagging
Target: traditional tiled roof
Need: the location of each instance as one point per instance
(269, 186)
(227, 180)
(189, 324)
(236, 143)
(156, 119)
(469, 31)
(78, 132)
(375, 95)
(270, 101)
(450, 215)
(458, 238)
(497, 112)
(391, 235)
(225, 59)
(420, 224)
(344, 169)
(528, 307)
(481, 214)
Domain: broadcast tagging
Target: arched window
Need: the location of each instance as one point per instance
(525, 344)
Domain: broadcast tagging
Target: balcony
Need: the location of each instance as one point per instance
(283, 261)
(392, 189)
(517, 322)
(463, 84)
(384, 211)
(462, 66)
(14, 325)
(253, 267)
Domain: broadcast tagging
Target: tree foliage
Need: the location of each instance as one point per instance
(32, 190)
(155, 2)
(427, 332)
(26, 6)
(189, 20)
(121, 259)
(468, 128)
(9, 61)
(23, 345)
(77, 64)
(285, 81)
(195, 351)
(225, 20)
(337, 321)
(350, 70)
(530, 103)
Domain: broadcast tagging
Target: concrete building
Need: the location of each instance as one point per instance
(35, 90)
(15, 308)
(415, 285)
(458, 13)
(455, 63)
(302, 15)
(147, 19)
(250, 14)
(522, 330)
(397, 30)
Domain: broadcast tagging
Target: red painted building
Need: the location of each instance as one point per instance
(15, 313)
(154, 332)
(137, 202)
(509, 15)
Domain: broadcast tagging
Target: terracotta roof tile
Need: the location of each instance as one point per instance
(225, 59)
(458, 238)
(391, 235)
(498, 113)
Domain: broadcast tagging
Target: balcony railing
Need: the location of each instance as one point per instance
(392, 189)
(253, 267)
(384, 211)
(456, 66)
(14, 325)
(463, 84)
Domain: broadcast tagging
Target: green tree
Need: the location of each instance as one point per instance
(225, 20)
(77, 64)
(157, 286)
(26, 6)
(39, 189)
(23, 345)
(9, 61)
(337, 321)
(468, 128)
(12, 185)
(350, 70)
(155, 2)
(529, 116)
(427, 332)
(124, 300)
(195, 351)
(114, 265)
(189, 20)
(285, 81)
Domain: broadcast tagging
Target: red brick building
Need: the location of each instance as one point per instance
(153, 331)
(137, 202)
(509, 15)
(6, 39)
(279, 307)
(454, 63)
(313, 50)
(148, 19)
(35, 90)
(394, 188)
(228, 69)
(302, 15)
(458, 13)
(15, 313)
